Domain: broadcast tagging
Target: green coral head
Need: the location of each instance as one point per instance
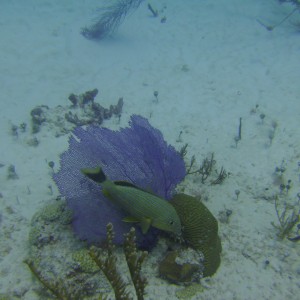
(199, 230)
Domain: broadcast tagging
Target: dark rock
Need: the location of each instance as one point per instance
(182, 266)
(74, 99)
(38, 117)
(88, 97)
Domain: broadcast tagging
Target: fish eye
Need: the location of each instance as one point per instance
(171, 222)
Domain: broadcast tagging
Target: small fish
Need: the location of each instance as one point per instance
(140, 205)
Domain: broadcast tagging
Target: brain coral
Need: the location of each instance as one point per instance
(200, 230)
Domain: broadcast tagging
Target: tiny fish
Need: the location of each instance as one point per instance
(141, 206)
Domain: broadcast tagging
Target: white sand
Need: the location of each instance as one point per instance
(211, 63)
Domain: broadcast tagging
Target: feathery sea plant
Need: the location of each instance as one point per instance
(55, 287)
(108, 265)
(134, 261)
(205, 169)
(287, 217)
(111, 16)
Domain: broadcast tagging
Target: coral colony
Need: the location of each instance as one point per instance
(109, 19)
(137, 154)
(136, 157)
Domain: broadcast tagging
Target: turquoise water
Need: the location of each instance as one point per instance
(194, 71)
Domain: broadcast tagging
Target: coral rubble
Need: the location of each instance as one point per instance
(182, 266)
(84, 110)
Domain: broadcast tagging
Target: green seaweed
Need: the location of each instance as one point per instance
(108, 265)
(206, 170)
(287, 217)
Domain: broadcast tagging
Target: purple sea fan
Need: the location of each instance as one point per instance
(137, 154)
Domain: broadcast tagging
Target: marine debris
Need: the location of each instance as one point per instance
(110, 18)
(84, 110)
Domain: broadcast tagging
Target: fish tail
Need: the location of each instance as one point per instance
(96, 174)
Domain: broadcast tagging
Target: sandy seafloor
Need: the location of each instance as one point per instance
(212, 63)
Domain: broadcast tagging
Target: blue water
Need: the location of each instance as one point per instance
(211, 63)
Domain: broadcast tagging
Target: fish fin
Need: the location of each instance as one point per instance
(149, 190)
(128, 184)
(145, 225)
(130, 220)
(125, 183)
(96, 174)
